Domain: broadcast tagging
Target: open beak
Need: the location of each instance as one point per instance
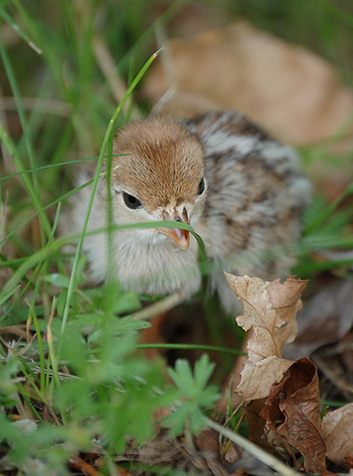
(177, 235)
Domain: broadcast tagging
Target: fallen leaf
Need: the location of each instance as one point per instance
(290, 91)
(78, 463)
(269, 310)
(207, 445)
(182, 454)
(349, 461)
(293, 411)
(337, 431)
(347, 353)
(327, 317)
(257, 379)
(256, 424)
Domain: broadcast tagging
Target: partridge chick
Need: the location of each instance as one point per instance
(237, 187)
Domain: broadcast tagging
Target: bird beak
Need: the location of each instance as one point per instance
(177, 235)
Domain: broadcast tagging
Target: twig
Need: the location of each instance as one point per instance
(169, 70)
(109, 69)
(79, 463)
(15, 330)
(331, 376)
(159, 307)
(46, 106)
(253, 449)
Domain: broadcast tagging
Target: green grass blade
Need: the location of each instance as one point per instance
(8, 294)
(318, 222)
(107, 137)
(40, 346)
(31, 190)
(44, 167)
(51, 204)
(19, 30)
(209, 348)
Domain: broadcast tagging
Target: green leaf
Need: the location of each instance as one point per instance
(197, 421)
(57, 279)
(73, 351)
(86, 320)
(118, 327)
(203, 371)
(176, 421)
(194, 396)
(14, 438)
(182, 376)
(127, 302)
(116, 302)
(8, 295)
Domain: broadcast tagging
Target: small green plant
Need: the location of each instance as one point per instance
(195, 395)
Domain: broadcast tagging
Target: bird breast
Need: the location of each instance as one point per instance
(151, 263)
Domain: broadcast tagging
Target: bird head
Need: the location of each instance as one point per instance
(157, 175)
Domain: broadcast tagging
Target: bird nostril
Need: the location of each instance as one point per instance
(176, 215)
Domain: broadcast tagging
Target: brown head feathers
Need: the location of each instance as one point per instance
(163, 162)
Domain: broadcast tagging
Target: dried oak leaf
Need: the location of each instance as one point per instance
(269, 310)
(287, 89)
(293, 411)
(337, 431)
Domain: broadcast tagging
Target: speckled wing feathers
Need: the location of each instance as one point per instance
(256, 197)
(256, 194)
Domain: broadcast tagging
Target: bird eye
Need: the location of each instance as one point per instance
(131, 201)
(201, 187)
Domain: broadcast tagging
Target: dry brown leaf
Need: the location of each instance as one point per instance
(337, 431)
(269, 310)
(257, 379)
(256, 424)
(327, 317)
(295, 402)
(287, 89)
(349, 462)
(207, 446)
(196, 455)
(78, 463)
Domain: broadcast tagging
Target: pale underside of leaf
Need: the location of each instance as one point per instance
(337, 431)
(269, 311)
